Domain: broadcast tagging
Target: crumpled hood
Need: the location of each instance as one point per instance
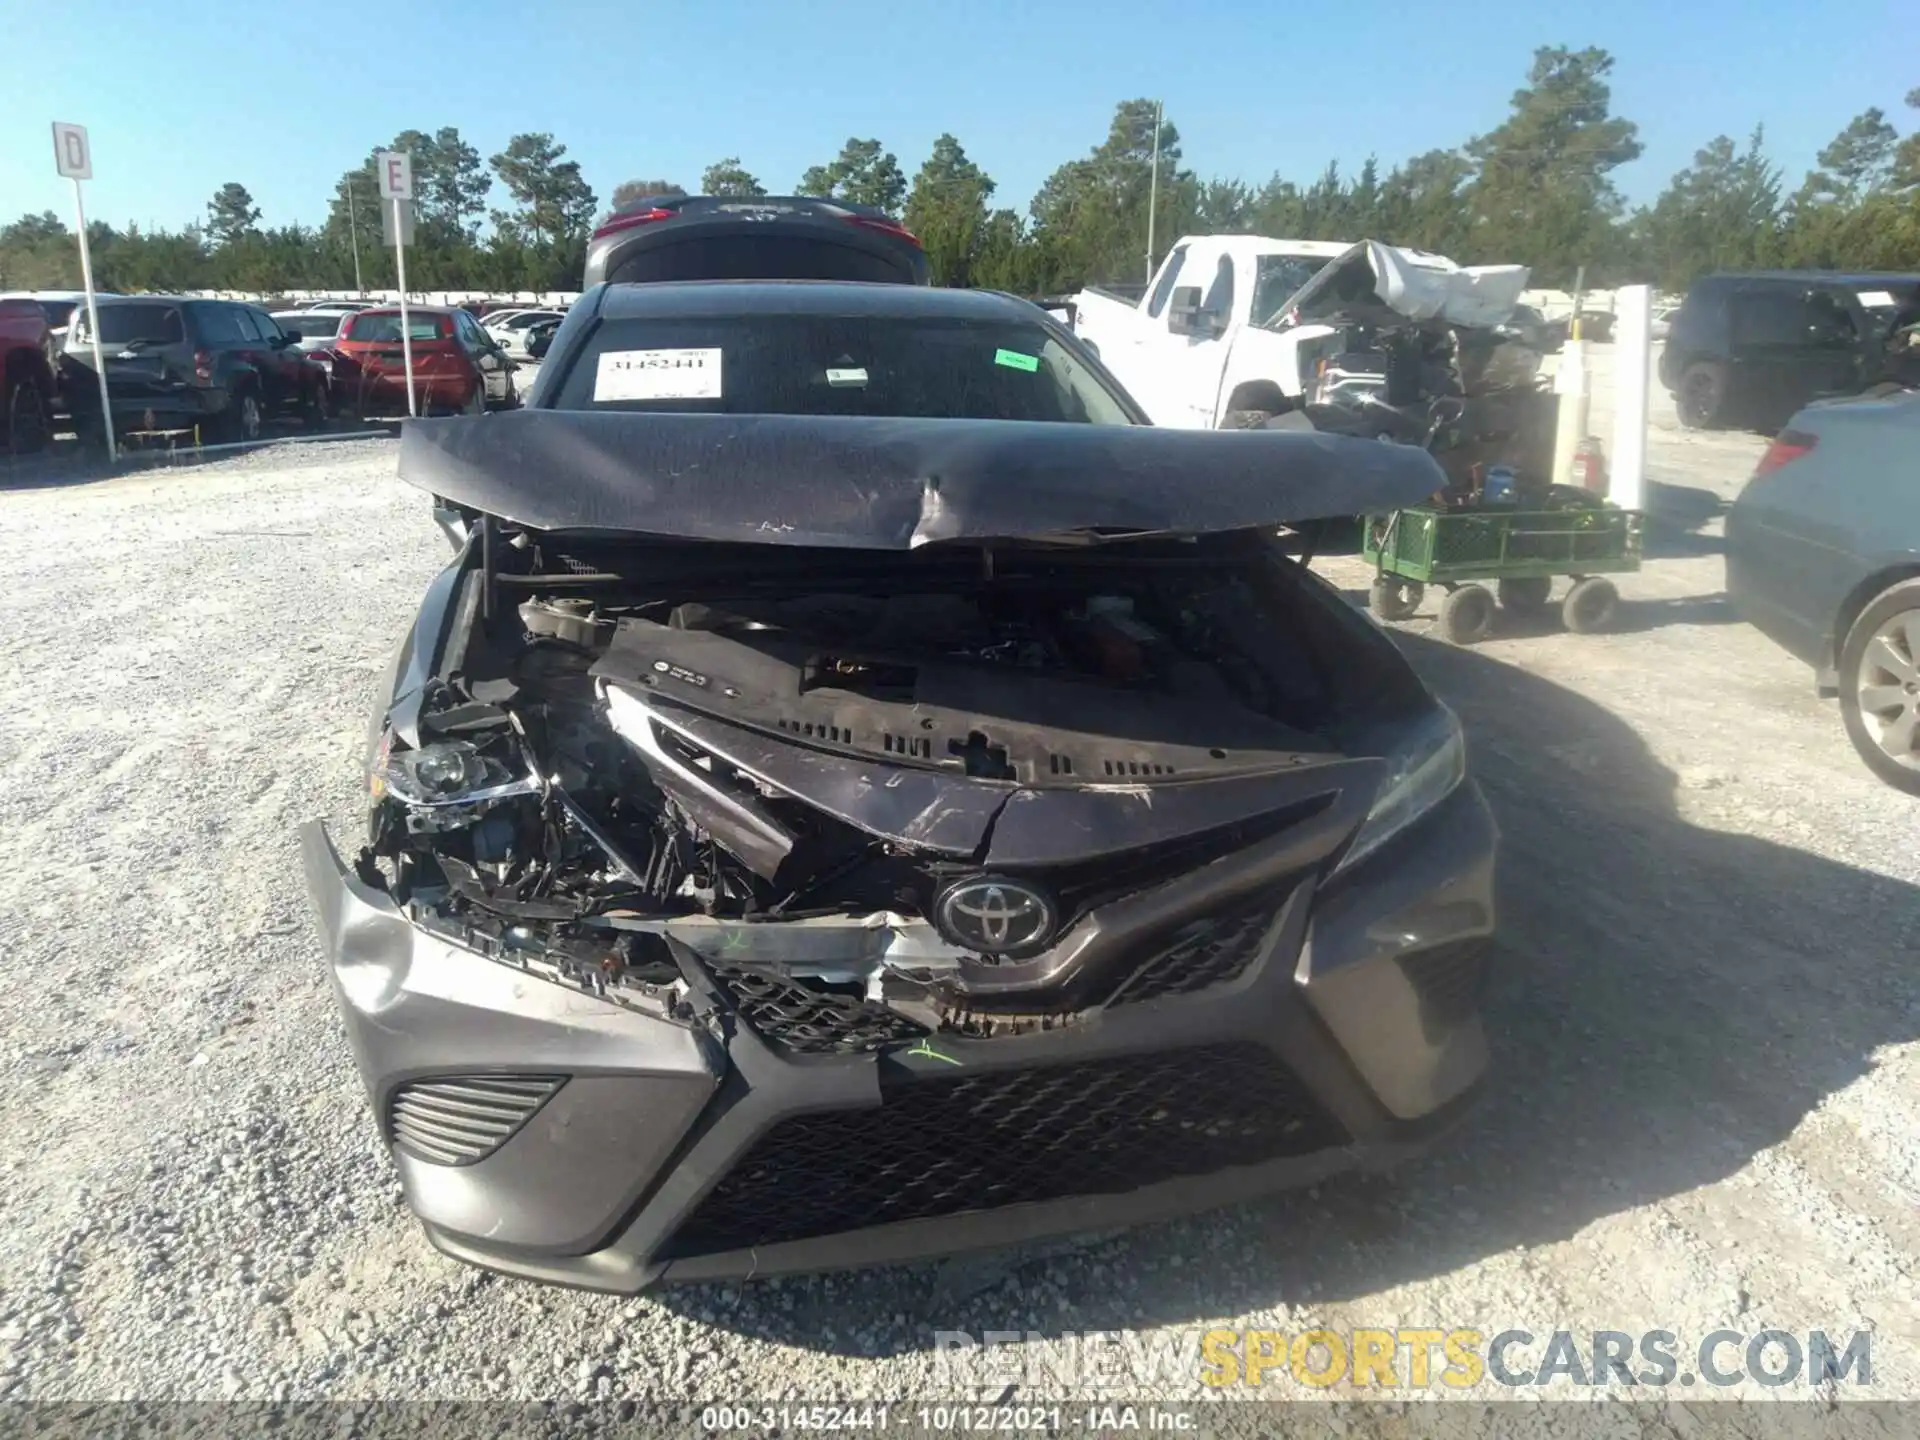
(1414, 283)
(895, 484)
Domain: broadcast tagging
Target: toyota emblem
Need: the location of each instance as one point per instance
(995, 916)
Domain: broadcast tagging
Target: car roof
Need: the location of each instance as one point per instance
(411, 310)
(1255, 247)
(1819, 277)
(708, 298)
(179, 300)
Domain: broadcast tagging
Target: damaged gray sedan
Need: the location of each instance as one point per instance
(800, 841)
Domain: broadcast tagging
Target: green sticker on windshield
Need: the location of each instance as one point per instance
(1014, 360)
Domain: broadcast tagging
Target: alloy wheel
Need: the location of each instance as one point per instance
(1888, 687)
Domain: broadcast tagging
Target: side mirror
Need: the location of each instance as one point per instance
(1184, 313)
(1187, 316)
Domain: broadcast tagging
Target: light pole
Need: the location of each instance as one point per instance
(353, 229)
(1153, 184)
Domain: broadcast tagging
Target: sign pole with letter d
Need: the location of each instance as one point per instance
(73, 159)
(396, 188)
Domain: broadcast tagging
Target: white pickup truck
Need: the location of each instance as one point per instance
(1224, 338)
(1199, 350)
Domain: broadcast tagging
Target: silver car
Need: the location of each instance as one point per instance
(313, 329)
(1823, 555)
(511, 329)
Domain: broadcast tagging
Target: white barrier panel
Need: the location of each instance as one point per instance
(1570, 384)
(1632, 364)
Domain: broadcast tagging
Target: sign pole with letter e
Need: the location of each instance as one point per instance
(396, 189)
(73, 159)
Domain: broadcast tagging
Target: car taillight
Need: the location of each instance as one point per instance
(203, 365)
(887, 227)
(1787, 447)
(627, 222)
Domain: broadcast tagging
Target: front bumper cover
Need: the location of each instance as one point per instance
(602, 1183)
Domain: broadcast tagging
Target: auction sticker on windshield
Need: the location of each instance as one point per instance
(658, 375)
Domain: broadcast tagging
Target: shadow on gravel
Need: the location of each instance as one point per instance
(69, 462)
(1676, 516)
(1632, 618)
(1668, 1002)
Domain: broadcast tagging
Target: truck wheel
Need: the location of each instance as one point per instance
(1466, 615)
(1525, 596)
(25, 417)
(1702, 395)
(241, 420)
(317, 408)
(1590, 605)
(1392, 598)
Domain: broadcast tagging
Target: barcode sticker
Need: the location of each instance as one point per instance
(657, 375)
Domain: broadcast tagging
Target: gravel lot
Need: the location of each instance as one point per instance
(1705, 1011)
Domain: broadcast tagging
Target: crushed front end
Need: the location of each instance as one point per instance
(731, 909)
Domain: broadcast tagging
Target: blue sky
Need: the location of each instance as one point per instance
(181, 98)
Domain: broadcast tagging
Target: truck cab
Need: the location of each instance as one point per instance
(1210, 345)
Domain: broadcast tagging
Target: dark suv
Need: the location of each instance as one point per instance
(1752, 349)
(175, 363)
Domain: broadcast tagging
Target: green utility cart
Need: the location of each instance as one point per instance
(1519, 548)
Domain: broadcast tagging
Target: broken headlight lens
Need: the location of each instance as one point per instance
(447, 772)
(1422, 771)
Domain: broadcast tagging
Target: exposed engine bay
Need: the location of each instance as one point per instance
(1422, 351)
(893, 782)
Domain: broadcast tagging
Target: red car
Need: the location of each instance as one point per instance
(457, 366)
(26, 377)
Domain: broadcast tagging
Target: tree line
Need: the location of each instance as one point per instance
(1537, 189)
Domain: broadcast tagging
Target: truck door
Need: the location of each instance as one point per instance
(1189, 384)
(1135, 352)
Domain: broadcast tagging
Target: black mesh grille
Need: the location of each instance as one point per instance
(1198, 955)
(947, 1144)
(811, 1021)
(1449, 979)
(458, 1119)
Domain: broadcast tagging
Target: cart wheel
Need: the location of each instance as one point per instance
(1525, 596)
(1466, 615)
(1590, 605)
(1394, 599)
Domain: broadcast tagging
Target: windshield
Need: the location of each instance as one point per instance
(386, 328)
(1276, 278)
(58, 312)
(130, 324)
(838, 365)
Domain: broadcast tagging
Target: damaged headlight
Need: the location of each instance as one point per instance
(446, 773)
(1425, 768)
